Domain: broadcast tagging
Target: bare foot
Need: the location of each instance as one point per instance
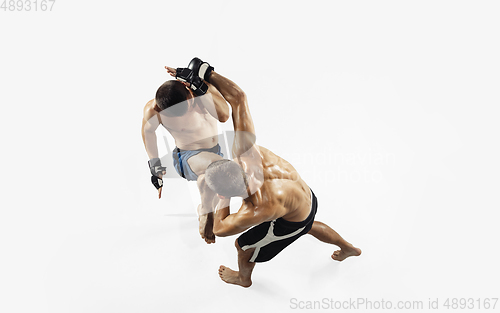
(206, 227)
(346, 252)
(232, 277)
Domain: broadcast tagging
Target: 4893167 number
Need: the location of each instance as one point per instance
(27, 5)
(470, 303)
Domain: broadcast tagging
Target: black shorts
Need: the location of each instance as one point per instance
(269, 238)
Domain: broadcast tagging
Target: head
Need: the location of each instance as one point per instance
(226, 178)
(171, 98)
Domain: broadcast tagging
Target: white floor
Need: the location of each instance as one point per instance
(388, 110)
(423, 238)
(155, 261)
(424, 214)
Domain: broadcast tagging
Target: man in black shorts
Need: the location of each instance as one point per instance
(277, 203)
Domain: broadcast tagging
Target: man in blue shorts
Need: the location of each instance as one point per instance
(189, 108)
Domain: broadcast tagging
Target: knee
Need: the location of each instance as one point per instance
(313, 229)
(200, 182)
(236, 244)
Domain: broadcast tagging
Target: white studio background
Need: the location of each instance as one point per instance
(388, 109)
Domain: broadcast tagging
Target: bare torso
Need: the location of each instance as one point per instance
(283, 193)
(196, 129)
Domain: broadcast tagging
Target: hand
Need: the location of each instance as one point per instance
(173, 72)
(157, 181)
(159, 189)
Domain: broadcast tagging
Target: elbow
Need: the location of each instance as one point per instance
(224, 117)
(219, 232)
(225, 113)
(241, 96)
(238, 97)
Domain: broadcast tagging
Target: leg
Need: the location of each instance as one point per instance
(205, 210)
(198, 164)
(243, 276)
(324, 233)
(206, 226)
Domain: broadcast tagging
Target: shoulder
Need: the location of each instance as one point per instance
(149, 109)
(151, 118)
(267, 154)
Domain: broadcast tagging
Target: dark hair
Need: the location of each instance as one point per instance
(226, 178)
(171, 98)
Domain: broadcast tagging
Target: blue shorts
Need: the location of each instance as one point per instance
(182, 156)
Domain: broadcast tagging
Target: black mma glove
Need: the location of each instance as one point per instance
(196, 84)
(201, 69)
(184, 74)
(194, 74)
(157, 181)
(156, 170)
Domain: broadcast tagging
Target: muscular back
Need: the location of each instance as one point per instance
(283, 193)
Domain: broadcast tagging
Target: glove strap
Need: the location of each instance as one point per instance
(198, 86)
(184, 74)
(196, 83)
(155, 167)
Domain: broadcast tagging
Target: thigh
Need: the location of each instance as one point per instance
(201, 161)
(209, 198)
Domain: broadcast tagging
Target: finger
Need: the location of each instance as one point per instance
(172, 71)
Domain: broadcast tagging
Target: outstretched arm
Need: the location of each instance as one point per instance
(238, 101)
(245, 150)
(218, 107)
(150, 123)
(242, 120)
